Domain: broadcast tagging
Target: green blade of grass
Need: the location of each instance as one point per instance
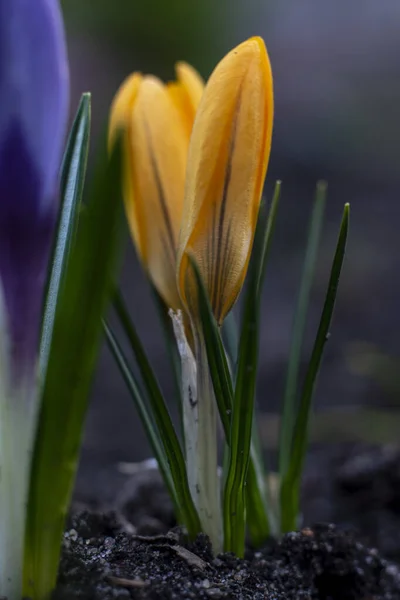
(86, 288)
(290, 490)
(162, 418)
(259, 520)
(230, 337)
(216, 357)
(223, 390)
(142, 408)
(234, 508)
(73, 173)
(172, 349)
(299, 323)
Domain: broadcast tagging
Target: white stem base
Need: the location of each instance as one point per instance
(200, 426)
(189, 398)
(17, 426)
(207, 478)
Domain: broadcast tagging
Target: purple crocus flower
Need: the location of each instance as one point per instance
(33, 117)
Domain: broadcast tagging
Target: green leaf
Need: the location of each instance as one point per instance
(243, 406)
(259, 519)
(72, 181)
(172, 349)
(142, 408)
(299, 324)
(86, 288)
(216, 357)
(290, 489)
(162, 418)
(223, 391)
(230, 337)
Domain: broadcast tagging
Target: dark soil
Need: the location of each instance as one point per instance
(357, 486)
(134, 553)
(101, 562)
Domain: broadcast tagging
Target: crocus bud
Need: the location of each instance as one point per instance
(33, 117)
(156, 120)
(227, 162)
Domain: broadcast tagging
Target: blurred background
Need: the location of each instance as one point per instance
(337, 92)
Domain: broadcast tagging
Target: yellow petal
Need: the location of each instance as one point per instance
(227, 162)
(158, 147)
(186, 93)
(122, 105)
(120, 120)
(192, 82)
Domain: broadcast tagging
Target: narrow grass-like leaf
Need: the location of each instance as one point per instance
(230, 337)
(299, 323)
(216, 357)
(72, 181)
(223, 390)
(265, 494)
(171, 346)
(259, 520)
(162, 418)
(290, 490)
(243, 407)
(86, 288)
(143, 410)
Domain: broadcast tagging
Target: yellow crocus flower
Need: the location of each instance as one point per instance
(228, 157)
(156, 120)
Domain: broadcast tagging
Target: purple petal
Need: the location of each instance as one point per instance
(33, 116)
(25, 235)
(34, 82)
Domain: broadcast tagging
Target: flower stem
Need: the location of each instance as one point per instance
(200, 425)
(189, 398)
(207, 498)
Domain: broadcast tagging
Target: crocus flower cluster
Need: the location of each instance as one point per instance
(195, 164)
(195, 161)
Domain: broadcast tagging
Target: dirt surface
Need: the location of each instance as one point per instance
(102, 562)
(358, 487)
(137, 555)
(134, 555)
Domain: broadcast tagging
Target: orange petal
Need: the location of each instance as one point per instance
(121, 107)
(120, 116)
(158, 154)
(227, 162)
(186, 93)
(192, 82)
